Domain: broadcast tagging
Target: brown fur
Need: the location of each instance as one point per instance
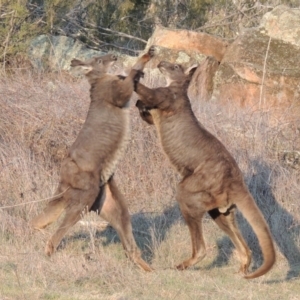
(86, 181)
(211, 180)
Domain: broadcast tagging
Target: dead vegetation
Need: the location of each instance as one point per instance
(91, 264)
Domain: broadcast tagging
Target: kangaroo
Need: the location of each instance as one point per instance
(211, 179)
(86, 177)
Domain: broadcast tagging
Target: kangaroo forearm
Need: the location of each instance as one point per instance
(133, 75)
(146, 95)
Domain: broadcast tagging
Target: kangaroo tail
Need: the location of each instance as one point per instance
(255, 218)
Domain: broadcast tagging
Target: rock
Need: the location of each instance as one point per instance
(189, 42)
(291, 159)
(201, 86)
(262, 73)
(184, 47)
(282, 23)
(174, 56)
(56, 52)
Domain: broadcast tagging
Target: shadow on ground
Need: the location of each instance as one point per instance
(149, 230)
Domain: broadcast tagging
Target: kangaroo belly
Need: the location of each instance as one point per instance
(99, 148)
(117, 150)
(178, 144)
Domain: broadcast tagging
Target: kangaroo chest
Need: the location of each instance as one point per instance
(175, 140)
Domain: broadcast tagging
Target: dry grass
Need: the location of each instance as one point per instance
(40, 118)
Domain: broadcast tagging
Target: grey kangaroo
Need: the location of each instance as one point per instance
(211, 179)
(86, 178)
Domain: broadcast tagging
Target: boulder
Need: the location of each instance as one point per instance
(282, 23)
(56, 52)
(189, 42)
(262, 73)
(174, 56)
(201, 86)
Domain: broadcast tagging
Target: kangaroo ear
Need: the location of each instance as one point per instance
(98, 60)
(85, 69)
(191, 70)
(81, 67)
(76, 62)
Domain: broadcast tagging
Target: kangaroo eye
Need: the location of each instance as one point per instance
(176, 67)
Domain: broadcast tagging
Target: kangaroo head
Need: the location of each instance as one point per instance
(96, 66)
(176, 72)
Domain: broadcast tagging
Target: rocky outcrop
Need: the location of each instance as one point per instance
(259, 70)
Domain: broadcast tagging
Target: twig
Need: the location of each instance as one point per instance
(19, 282)
(35, 201)
(118, 33)
(262, 86)
(264, 74)
(6, 14)
(103, 44)
(227, 17)
(112, 45)
(25, 111)
(109, 30)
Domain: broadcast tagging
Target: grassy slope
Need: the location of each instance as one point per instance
(40, 118)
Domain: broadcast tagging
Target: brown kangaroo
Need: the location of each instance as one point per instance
(86, 179)
(211, 179)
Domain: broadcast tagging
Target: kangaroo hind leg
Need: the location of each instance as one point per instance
(80, 202)
(226, 221)
(193, 210)
(115, 211)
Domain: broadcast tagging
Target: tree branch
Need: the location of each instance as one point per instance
(118, 33)
(227, 17)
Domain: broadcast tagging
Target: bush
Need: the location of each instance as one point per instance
(17, 26)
